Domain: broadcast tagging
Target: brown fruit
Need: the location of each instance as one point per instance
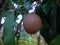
(32, 23)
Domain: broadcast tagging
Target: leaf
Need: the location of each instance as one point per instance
(53, 15)
(46, 7)
(56, 40)
(44, 1)
(24, 1)
(45, 24)
(22, 10)
(44, 18)
(27, 5)
(8, 35)
(18, 1)
(2, 14)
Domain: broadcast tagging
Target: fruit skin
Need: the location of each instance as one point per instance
(32, 23)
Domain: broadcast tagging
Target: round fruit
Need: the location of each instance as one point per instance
(32, 23)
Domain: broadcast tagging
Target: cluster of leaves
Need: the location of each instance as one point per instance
(48, 10)
(26, 42)
(26, 39)
(48, 13)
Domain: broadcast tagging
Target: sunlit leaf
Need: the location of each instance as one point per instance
(2, 14)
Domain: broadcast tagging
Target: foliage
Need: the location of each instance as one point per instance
(26, 42)
(26, 39)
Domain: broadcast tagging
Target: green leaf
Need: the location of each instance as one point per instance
(2, 14)
(44, 1)
(45, 24)
(27, 5)
(53, 15)
(55, 41)
(46, 7)
(24, 1)
(18, 1)
(8, 35)
(22, 10)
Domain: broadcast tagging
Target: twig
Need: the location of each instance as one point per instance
(39, 39)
